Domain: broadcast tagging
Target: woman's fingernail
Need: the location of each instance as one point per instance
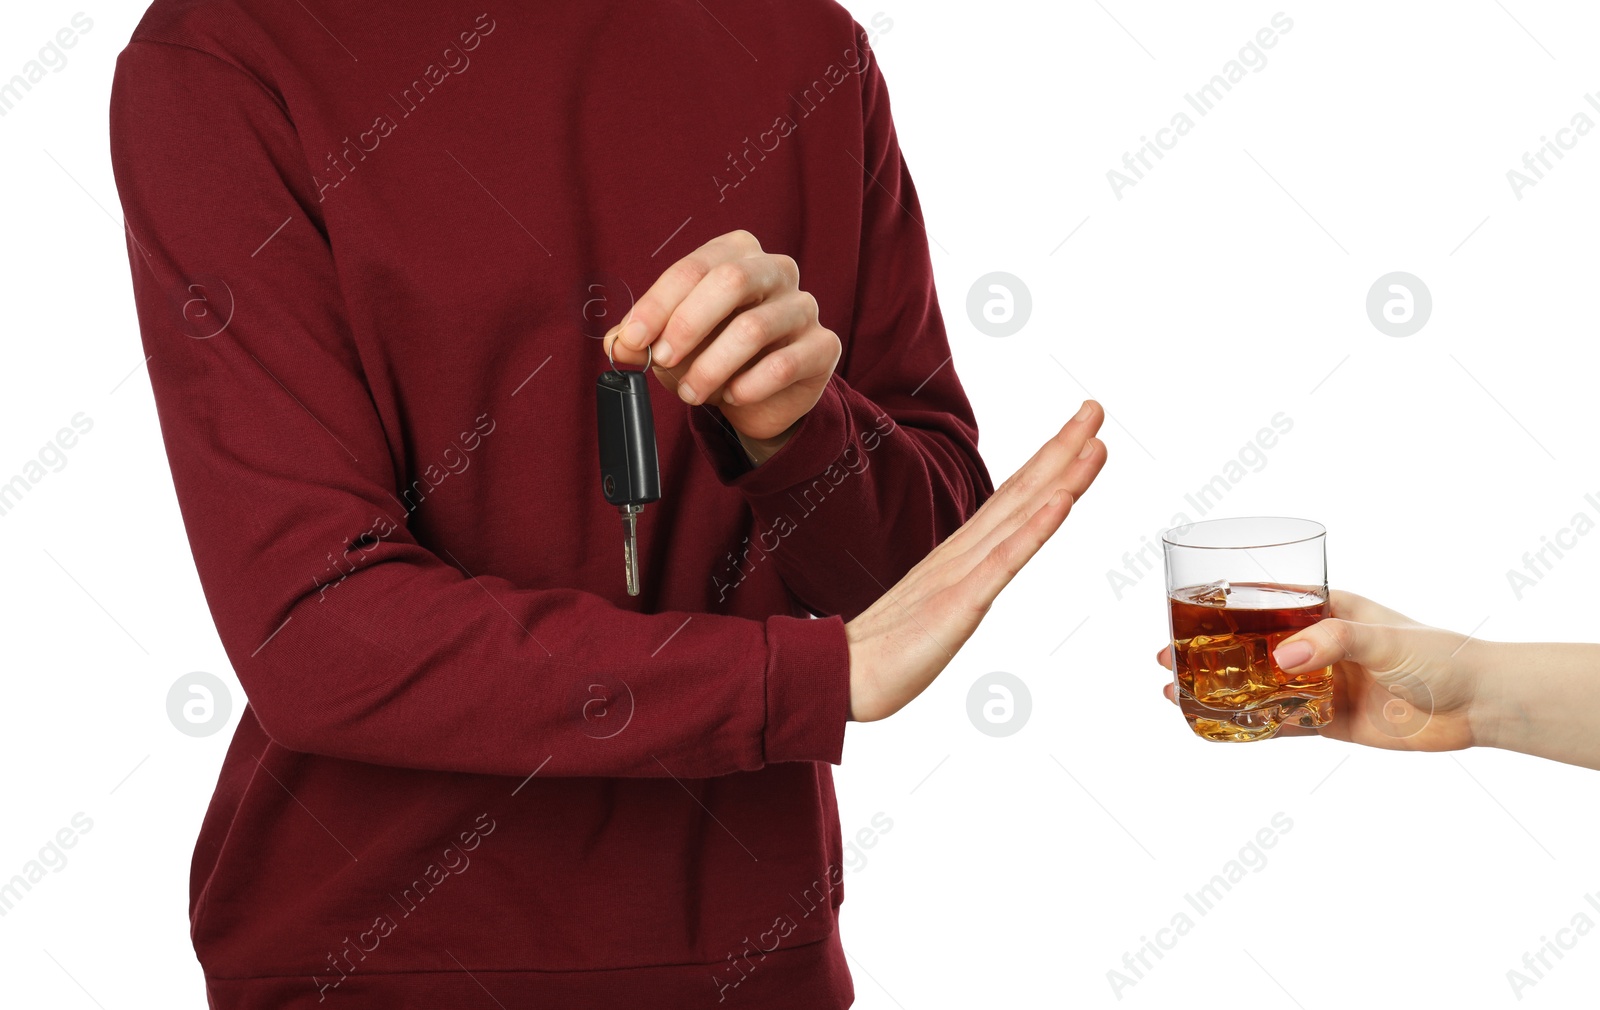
(1083, 413)
(1292, 654)
(663, 352)
(634, 333)
(1088, 447)
(687, 392)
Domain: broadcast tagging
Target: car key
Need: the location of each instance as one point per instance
(630, 476)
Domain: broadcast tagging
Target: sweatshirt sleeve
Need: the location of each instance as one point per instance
(280, 461)
(886, 465)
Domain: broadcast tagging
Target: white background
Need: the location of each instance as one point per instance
(1228, 285)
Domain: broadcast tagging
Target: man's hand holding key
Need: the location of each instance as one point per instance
(728, 325)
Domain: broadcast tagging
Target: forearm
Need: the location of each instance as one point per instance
(412, 665)
(1538, 698)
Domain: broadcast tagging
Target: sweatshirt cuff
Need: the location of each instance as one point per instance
(817, 442)
(808, 689)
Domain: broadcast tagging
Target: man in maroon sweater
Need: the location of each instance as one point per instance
(370, 247)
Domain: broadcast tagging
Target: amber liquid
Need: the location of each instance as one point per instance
(1228, 686)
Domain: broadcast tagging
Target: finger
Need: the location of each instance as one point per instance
(815, 354)
(984, 582)
(1082, 471)
(671, 377)
(1015, 500)
(1021, 493)
(725, 289)
(1170, 692)
(1076, 479)
(1034, 480)
(648, 317)
(1351, 607)
(618, 351)
(1164, 656)
(745, 335)
(1333, 640)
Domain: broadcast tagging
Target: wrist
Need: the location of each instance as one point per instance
(856, 676)
(863, 707)
(759, 450)
(1492, 714)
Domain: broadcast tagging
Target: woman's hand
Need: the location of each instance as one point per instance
(904, 640)
(729, 326)
(1397, 684)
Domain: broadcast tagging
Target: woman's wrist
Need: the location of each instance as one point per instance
(1494, 715)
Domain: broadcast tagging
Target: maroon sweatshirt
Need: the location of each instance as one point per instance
(373, 247)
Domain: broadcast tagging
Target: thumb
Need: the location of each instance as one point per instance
(1327, 642)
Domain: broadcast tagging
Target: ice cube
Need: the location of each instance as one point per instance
(1230, 671)
(1212, 593)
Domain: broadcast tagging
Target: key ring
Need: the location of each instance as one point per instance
(650, 356)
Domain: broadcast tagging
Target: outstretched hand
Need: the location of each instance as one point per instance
(905, 639)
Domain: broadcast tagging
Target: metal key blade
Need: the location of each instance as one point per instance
(630, 545)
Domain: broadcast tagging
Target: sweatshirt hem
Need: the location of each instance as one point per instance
(811, 976)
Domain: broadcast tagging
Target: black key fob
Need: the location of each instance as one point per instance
(629, 471)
